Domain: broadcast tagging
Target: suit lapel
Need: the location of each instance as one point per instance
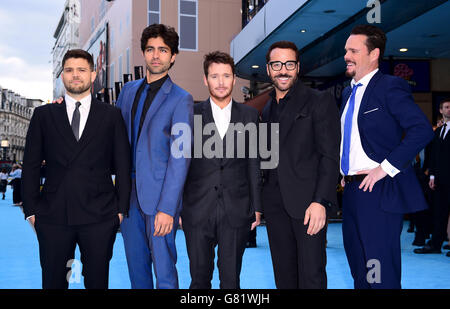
(368, 93)
(292, 110)
(208, 118)
(160, 97)
(94, 120)
(61, 120)
(130, 101)
(345, 95)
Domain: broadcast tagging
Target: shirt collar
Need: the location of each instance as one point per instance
(214, 106)
(157, 83)
(85, 102)
(366, 79)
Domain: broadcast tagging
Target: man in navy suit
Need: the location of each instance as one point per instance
(382, 131)
(151, 107)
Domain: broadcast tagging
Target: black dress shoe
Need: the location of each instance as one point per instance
(427, 249)
(418, 242)
(251, 244)
(446, 247)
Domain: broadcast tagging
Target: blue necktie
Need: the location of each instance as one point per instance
(345, 162)
(137, 119)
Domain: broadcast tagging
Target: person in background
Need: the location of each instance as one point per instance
(16, 175)
(3, 182)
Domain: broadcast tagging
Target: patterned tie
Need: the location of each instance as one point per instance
(345, 162)
(76, 121)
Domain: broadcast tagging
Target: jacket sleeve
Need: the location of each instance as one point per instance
(122, 163)
(178, 166)
(254, 173)
(417, 129)
(32, 160)
(327, 137)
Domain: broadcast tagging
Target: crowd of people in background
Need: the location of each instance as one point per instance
(433, 172)
(14, 180)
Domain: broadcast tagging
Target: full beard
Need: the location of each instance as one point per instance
(78, 89)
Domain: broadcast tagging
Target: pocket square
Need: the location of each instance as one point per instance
(372, 110)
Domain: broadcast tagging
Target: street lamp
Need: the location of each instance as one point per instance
(5, 146)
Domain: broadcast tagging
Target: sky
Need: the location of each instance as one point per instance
(26, 42)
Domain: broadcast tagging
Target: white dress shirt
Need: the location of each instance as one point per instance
(447, 127)
(358, 159)
(222, 117)
(84, 110)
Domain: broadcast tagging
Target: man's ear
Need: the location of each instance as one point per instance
(93, 76)
(375, 54)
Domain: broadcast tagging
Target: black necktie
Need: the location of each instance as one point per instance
(76, 121)
(443, 131)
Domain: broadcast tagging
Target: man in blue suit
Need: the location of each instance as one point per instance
(382, 131)
(151, 107)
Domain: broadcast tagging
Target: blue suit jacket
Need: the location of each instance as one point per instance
(393, 127)
(160, 176)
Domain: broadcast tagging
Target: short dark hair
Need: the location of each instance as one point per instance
(167, 33)
(375, 38)
(79, 53)
(217, 57)
(283, 45)
(445, 100)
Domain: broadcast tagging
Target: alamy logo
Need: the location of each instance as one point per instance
(374, 273)
(374, 14)
(237, 146)
(74, 274)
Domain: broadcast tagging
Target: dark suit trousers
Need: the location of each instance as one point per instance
(298, 259)
(440, 215)
(201, 241)
(57, 247)
(371, 238)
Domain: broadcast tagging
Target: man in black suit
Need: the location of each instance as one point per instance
(222, 190)
(440, 182)
(297, 194)
(83, 142)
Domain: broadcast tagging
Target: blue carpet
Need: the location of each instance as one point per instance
(20, 268)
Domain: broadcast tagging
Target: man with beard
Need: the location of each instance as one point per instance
(222, 193)
(297, 194)
(151, 107)
(382, 131)
(83, 142)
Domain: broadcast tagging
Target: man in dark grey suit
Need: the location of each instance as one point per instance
(222, 190)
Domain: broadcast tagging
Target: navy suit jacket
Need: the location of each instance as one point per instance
(394, 128)
(160, 176)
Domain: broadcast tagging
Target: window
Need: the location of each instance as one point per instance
(188, 24)
(154, 11)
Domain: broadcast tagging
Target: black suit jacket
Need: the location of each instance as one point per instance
(440, 158)
(78, 187)
(309, 141)
(236, 181)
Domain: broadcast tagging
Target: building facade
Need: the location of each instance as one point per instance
(15, 115)
(67, 37)
(111, 31)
